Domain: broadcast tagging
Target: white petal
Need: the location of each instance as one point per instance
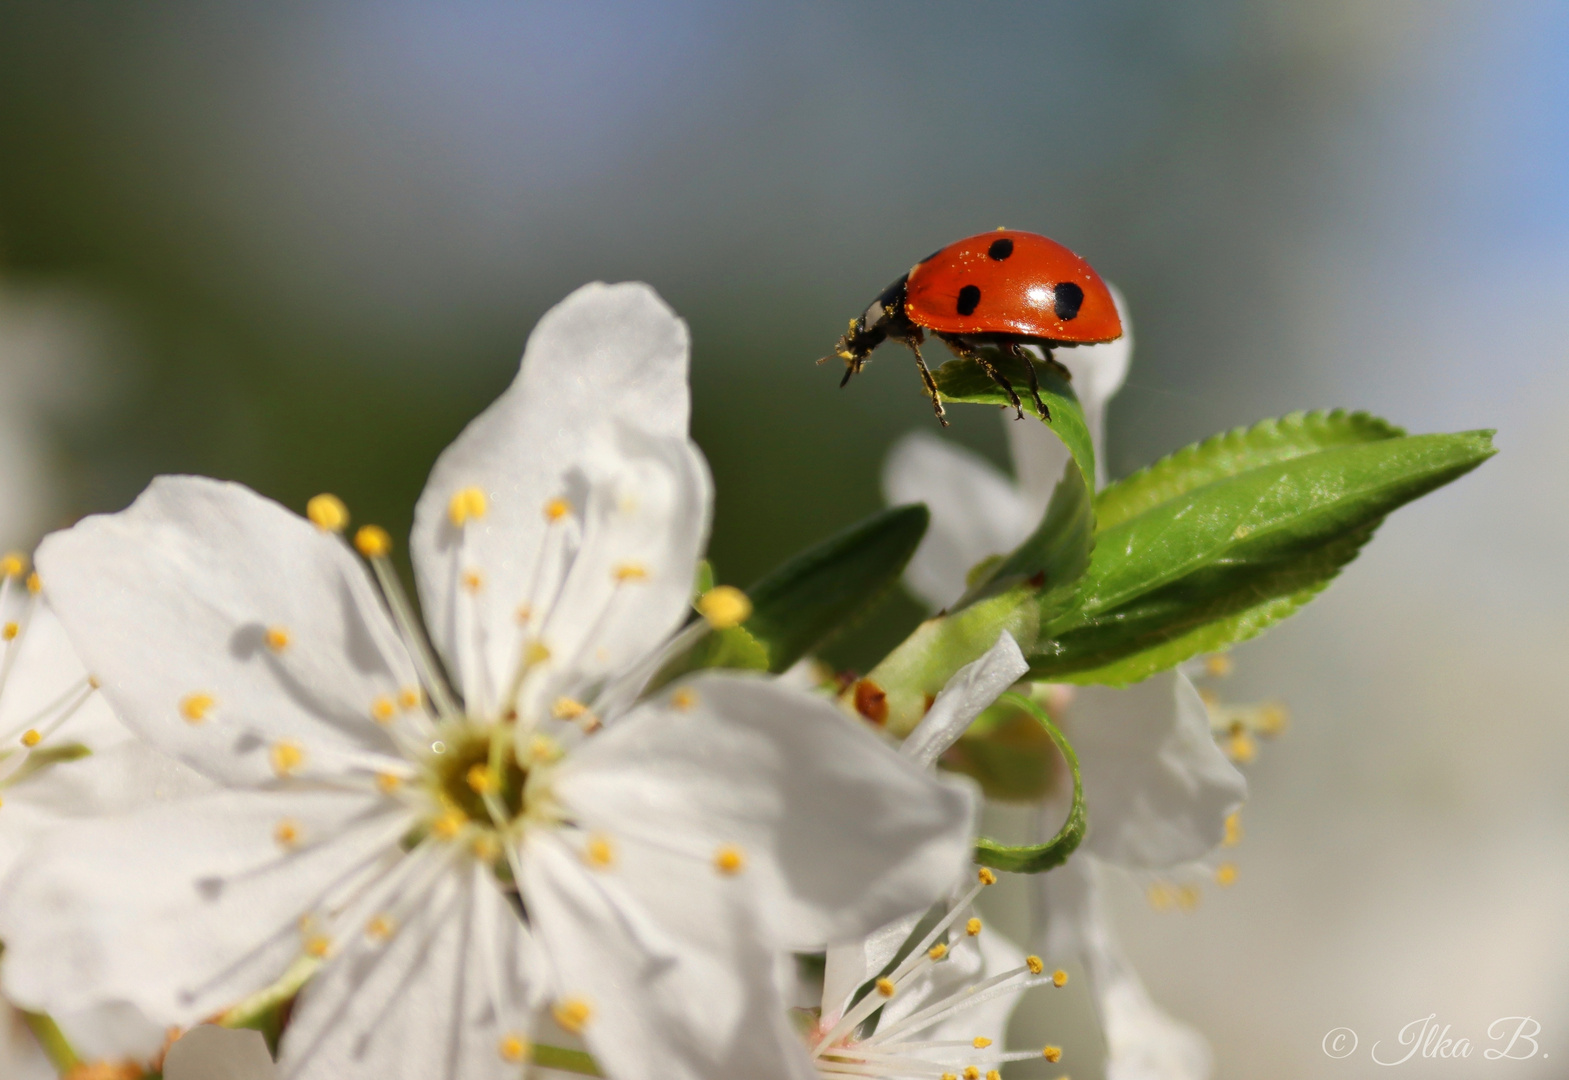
(839, 834)
(115, 781)
(45, 679)
(976, 513)
(215, 1053)
(175, 596)
(1143, 1042)
(972, 688)
(1157, 788)
(661, 1009)
(185, 907)
(1098, 373)
(434, 1002)
(848, 966)
(607, 353)
(629, 586)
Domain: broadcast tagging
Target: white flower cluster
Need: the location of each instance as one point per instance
(238, 768)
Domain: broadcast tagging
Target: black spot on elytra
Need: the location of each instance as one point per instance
(1000, 249)
(969, 296)
(1068, 298)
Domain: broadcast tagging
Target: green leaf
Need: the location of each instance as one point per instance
(1233, 452)
(1242, 551)
(1054, 557)
(967, 381)
(799, 605)
(1035, 858)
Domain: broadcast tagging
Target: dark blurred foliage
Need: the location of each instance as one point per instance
(329, 227)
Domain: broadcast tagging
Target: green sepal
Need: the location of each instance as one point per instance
(1220, 561)
(802, 603)
(1036, 858)
(1008, 753)
(733, 647)
(546, 1056)
(965, 381)
(52, 1041)
(1054, 557)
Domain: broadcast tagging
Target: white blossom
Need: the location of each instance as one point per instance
(543, 844)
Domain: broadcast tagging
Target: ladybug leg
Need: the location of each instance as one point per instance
(1013, 350)
(931, 383)
(1000, 379)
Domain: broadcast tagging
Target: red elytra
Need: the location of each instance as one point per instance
(1000, 290)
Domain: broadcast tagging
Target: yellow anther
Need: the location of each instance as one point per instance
(373, 542)
(287, 833)
(1226, 875)
(599, 851)
(573, 1014)
(566, 708)
(409, 697)
(950, 1076)
(1218, 666)
(981, 1042)
(556, 509)
(683, 699)
(513, 1049)
(886, 988)
(630, 571)
(92, 680)
(993, 1074)
(1188, 897)
(1233, 830)
(535, 652)
(467, 505)
(725, 606)
(1059, 978)
(542, 749)
(1052, 1054)
(523, 614)
(13, 564)
(729, 860)
(1241, 748)
(387, 782)
(318, 946)
(449, 824)
(937, 951)
(1272, 720)
(486, 848)
(194, 707)
(1160, 897)
(381, 928)
(972, 927)
(277, 638)
(1035, 964)
(328, 513)
(382, 710)
(481, 779)
(986, 877)
(34, 583)
(971, 1073)
(287, 757)
(473, 580)
(9, 631)
(32, 738)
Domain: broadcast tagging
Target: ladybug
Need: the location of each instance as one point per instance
(1001, 290)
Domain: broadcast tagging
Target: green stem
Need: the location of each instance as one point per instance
(57, 1048)
(1035, 858)
(263, 1004)
(559, 1057)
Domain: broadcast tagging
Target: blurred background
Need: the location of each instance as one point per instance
(299, 245)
